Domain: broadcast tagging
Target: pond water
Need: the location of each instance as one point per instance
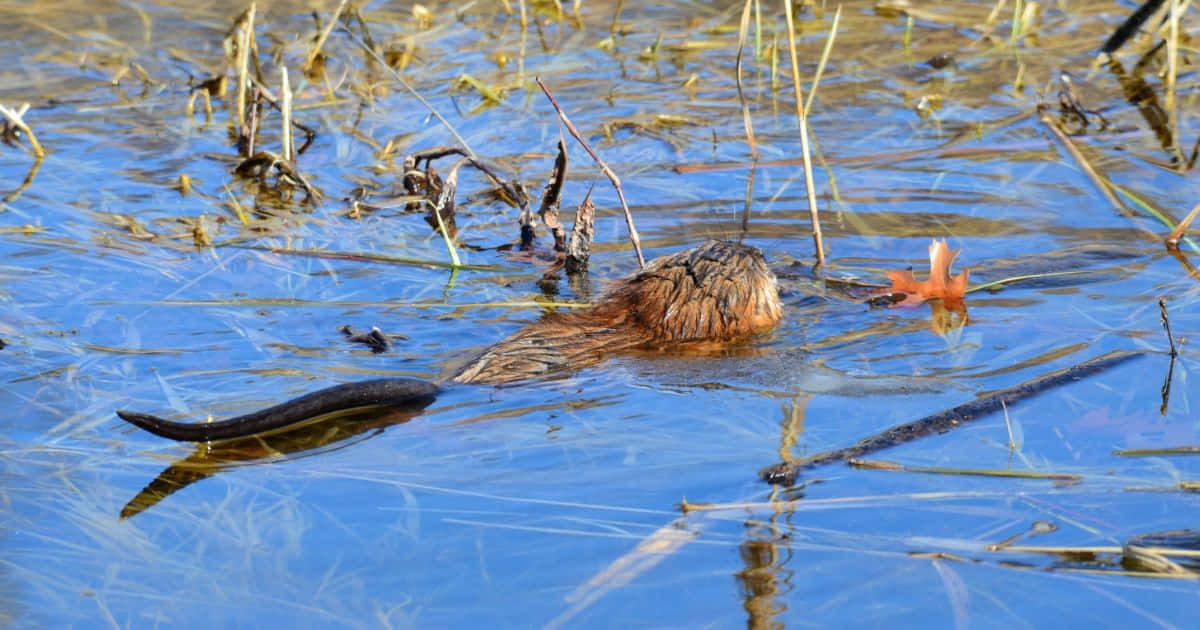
(557, 502)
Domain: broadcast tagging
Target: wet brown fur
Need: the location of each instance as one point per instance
(715, 293)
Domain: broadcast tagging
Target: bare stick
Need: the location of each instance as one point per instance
(804, 151)
(312, 54)
(742, 29)
(786, 473)
(1177, 233)
(14, 118)
(612, 177)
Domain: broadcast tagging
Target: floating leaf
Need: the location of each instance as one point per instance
(950, 289)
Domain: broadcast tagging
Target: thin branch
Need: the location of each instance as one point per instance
(612, 177)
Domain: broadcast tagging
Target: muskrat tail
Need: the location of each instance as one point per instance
(391, 392)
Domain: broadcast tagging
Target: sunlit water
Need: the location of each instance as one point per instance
(557, 502)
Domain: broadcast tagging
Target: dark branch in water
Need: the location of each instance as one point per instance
(785, 473)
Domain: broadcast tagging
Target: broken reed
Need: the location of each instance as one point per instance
(743, 28)
(244, 39)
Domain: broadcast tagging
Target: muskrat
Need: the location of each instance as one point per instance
(715, 293)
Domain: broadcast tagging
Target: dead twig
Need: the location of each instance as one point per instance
(249, 132)
(208, 88)
(612, 177)
(261, 95)
(1166, 386)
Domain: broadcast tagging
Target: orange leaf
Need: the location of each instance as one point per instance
(950, 289)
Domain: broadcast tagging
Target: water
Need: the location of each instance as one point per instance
(556, 503)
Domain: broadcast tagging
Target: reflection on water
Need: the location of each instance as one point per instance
(764, 583)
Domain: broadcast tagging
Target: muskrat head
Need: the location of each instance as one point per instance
(717, 291)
